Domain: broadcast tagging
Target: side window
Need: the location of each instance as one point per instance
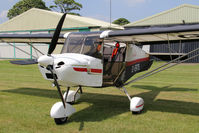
(83, 43)
(92, 47)
(73, 44)
(88, 47)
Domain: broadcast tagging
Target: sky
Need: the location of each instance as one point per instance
(132, 10)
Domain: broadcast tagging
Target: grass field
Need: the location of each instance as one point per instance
(171, 104)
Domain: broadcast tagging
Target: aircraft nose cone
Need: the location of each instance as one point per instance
(45, 60)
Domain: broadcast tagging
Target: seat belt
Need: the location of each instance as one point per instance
(115, 50)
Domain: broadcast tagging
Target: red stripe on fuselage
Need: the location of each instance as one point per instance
(80, 69)
(96, 70)
(137, 61)
(86, 70)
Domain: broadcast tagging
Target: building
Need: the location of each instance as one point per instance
(43, 21)
(184, 14)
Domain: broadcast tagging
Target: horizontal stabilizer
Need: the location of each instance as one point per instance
(24, 62)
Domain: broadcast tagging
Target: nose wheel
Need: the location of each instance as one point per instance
(60, 121)
(61, 113)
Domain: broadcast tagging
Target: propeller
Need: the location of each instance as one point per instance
(52, 47)
(48, 60)
(56, 35)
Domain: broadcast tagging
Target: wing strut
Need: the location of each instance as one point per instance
(35, 48)
(20, 49)
(23, 50)
(169, 45)
(165, 66)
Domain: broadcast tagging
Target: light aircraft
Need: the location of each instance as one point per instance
(100, 59)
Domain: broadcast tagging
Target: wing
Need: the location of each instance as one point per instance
(29, 38)
(154, 34)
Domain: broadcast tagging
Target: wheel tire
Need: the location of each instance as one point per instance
(136, 112)
(60, 121)
(71, 103)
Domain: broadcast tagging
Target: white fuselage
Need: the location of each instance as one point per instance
(74, 69)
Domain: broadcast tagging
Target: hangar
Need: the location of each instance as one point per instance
(43, 21)
(184, 14)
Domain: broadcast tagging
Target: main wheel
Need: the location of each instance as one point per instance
(137, 112)
(60, 121)
(71, 103)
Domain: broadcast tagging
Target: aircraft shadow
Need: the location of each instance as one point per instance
(112, 105)
(35, 92)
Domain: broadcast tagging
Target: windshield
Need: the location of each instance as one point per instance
(83, 43)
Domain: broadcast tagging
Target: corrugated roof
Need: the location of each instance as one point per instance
(187, 13)
(37, 19)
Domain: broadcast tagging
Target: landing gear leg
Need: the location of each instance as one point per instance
(77, 96)
(71, 96)
(80, 89)
(127, 94)
(136, 103)
(66, 94)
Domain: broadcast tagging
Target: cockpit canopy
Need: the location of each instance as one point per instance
(83, 43)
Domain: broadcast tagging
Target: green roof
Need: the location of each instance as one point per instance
(187, 13)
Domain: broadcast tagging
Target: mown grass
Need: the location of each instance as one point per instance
(171, 104)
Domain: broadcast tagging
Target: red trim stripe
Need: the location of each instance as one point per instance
(80, 69)
(86, 70)
(96, 70)
(139, 106)
(137, 61)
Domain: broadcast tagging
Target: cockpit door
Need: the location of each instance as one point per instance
(114, 61)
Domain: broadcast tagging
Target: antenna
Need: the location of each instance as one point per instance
(110, 12)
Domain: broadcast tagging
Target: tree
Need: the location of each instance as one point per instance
(66, 6)
(121, 21)
(24, 5)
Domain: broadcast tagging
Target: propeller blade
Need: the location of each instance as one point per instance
(56, 34)
(24, 62)
(57, 85)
